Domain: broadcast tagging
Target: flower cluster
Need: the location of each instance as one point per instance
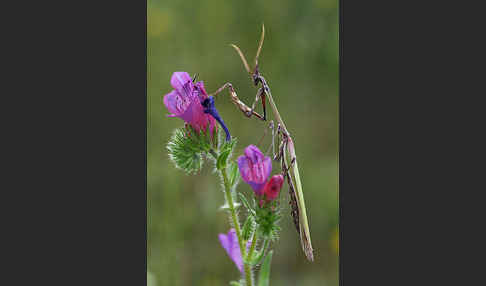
(191, 145)
(255, 168)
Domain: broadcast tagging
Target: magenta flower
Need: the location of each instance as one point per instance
(255, 168)
(230, 244)
(185, 102)
(273, 186)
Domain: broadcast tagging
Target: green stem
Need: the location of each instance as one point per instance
(248, 275)
(234, 217)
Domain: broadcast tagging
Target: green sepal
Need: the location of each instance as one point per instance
(267, 220)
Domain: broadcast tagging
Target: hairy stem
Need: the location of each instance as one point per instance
(234, 217)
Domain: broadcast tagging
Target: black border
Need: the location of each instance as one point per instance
(405, 126)
(81, 137)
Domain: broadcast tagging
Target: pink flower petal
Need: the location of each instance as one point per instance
(179, 79)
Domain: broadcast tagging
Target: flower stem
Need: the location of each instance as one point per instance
(234, 217)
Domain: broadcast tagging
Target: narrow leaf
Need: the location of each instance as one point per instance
(246, 204)
(248, 227)
(257, 258)
(233, 174)
(229, 145)
(264, 277)
(222, 158)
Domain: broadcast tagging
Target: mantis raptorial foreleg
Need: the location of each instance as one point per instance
(240, 104)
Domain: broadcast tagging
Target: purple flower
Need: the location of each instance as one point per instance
(230, 244)
(255, 168)
(185, 102)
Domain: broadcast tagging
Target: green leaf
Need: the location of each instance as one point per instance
(248, 227)
(233, 174)
(222, 158)
(257, 258)
(246, 204)
(229, 145)
(264, 275)
(235, 283)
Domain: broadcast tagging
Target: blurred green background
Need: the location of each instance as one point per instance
(300, 62)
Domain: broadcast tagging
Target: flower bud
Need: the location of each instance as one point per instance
(273, 186)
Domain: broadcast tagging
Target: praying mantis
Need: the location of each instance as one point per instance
(298, 210)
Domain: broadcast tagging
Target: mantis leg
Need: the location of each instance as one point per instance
(240, 104)
(226, 85)
(260, 95)
(272, 127)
